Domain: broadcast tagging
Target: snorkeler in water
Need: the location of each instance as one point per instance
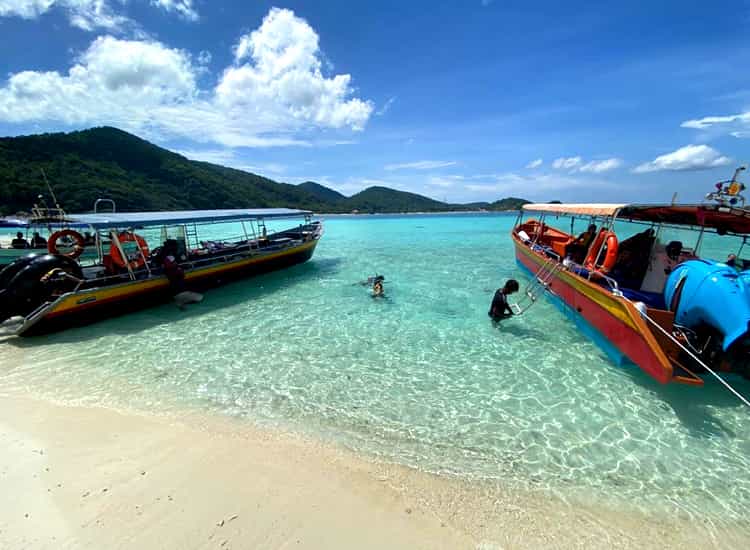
(372, 280)
(500, 308)
(377, 289)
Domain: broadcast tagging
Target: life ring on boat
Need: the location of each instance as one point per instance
(608, 262)
(135, 261)
(80, 242)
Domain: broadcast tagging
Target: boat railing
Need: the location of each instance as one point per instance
(109, 201)
(147, 271)
(45, 214)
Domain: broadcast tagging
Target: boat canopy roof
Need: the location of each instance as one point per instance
(575, 209)
(178, 217)
(722, 219)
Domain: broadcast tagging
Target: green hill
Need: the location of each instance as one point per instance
(372, 199)
(509, 203)
(109, 163)
(322, 192)
(106, 162)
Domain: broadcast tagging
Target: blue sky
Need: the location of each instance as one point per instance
(460, 101)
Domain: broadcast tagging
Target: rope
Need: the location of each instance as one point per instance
(691, 354)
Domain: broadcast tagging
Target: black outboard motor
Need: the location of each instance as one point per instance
(21, 287)
(10, 270)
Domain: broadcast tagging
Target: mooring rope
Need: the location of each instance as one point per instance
(690, 353)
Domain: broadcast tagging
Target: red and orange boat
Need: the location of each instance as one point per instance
(653, 303)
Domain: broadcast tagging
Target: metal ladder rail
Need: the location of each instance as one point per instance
(539, 284)
(191, 236)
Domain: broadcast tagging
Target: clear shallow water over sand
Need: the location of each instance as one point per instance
(422, 378)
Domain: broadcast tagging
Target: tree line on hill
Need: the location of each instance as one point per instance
(110, 163)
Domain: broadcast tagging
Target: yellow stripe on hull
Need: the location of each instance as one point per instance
(82, 299)
(613, 304)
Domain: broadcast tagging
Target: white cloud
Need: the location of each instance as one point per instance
(576, 164)
(690, 157)
(113, 81)
(566, 163)
(282, 78)
(537, 185)
(384, 109)
(599, 166)
(709, 121)
(90, 14)
(272, 94)
(28, 9)
(534, 164)
(421, 165)
(182, 7)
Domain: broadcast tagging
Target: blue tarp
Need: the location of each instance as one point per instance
(143, 219)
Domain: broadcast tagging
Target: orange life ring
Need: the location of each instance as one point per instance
(609, 258)
(75, 235)
(135, 261)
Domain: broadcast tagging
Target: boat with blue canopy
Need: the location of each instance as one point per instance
(139, 259)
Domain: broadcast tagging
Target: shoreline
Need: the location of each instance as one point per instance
(93, 477)
(442, 213)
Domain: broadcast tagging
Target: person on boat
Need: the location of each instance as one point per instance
(377, 289)
(174, 273)
(500, 308)
(580, 246)
(37, 241)
(19, 241)
(57, 281)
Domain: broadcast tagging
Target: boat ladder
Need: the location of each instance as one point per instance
(33, 318)
(538, 285)
(191, 236)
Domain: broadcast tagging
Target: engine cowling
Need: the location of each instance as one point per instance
(21, 286)
(703, 292)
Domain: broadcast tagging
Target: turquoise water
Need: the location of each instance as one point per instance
(422, 378)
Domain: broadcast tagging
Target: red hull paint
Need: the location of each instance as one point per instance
(630, 342)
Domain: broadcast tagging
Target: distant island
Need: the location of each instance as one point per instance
(110, 163)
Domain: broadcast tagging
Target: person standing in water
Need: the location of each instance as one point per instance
(500, 309)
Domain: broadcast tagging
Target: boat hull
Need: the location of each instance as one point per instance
(91, 305)
(617, 325)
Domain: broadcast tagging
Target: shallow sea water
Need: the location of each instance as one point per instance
(422, 378)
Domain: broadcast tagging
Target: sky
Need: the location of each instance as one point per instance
(461, 101)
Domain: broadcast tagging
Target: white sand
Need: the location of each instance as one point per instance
(92, 478)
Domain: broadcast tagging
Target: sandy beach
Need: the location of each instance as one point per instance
(76, 477)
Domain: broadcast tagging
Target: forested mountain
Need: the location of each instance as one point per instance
(322, 192)
(109, 163)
